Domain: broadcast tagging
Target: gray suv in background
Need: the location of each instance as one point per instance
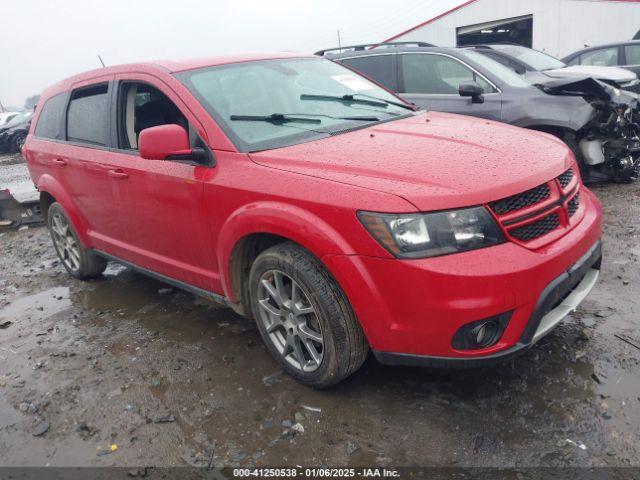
(578, 110)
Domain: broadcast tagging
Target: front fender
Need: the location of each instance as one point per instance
(282, 219)
(48, 184)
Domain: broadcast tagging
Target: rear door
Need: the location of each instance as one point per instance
(162, 203)
(86, 164)
(431, 81)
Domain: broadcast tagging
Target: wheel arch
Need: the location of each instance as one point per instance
(51, 191)
(256, 227)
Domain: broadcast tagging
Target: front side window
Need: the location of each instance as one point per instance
(605, 57)
(88, 115)
(437, 74)
(143, 106)
(632, 54)
(51, 119)
(273, 103)
(381, 68)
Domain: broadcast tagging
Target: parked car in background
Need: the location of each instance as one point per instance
(300, 193)
(623, 54)
(6, 117)
(14, 133)
(525, 61)
(598, 122)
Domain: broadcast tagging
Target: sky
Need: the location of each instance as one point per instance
(44, 41)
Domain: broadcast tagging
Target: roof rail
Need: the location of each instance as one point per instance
(370, 46)
(491, 45)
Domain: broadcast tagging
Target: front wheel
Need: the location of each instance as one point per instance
(304, 317)
(77, 260)
(18, 142)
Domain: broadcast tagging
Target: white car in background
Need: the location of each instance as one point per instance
(528, 62)
(6, 117)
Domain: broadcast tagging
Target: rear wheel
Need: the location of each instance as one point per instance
(77, 260)
(304, 317)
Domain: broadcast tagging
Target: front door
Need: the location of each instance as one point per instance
(431, 81)
(168, 232)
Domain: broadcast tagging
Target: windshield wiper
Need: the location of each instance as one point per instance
(300, 117)
(351, 98)
(361, 118)
(275, 118)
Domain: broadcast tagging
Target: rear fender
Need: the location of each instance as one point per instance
(284, 220)
(47, 183)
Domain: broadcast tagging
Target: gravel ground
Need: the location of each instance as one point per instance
(126, 371)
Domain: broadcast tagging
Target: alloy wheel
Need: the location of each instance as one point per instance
(65, 242)
(290, 320)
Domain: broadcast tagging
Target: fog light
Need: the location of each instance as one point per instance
(485, 333)
(481, 333)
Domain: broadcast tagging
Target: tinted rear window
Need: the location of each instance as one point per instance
(381, 68)
(88, 116)
(50, 122)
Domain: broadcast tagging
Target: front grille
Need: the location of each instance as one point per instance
(566, 177)
(536, 229)
(573, 205)
(521, 200)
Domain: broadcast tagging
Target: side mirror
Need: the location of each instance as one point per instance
(167, 142)
(473, 90)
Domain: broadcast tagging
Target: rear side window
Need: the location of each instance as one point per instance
(51, 120)
(632, 52)
(381, 68)
(88, 116)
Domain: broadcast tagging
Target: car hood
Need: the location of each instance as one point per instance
(586, 87)
(433, 160)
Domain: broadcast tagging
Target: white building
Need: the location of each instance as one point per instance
(557, 27)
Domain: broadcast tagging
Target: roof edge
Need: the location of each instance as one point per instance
(437, 17)
(461, 6)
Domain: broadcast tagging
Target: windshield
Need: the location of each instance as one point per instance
(273, 103)
(502, 73)
(533, 58)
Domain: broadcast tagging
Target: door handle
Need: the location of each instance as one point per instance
(59, 162)
(119, 174)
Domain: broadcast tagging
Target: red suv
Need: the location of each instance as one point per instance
(304, 195)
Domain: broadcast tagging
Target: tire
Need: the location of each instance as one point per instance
(343, 348)
(17, 142)
(77, 260)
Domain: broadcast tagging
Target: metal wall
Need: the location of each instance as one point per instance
(559, 26)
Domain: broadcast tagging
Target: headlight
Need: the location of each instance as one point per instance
(423, 235)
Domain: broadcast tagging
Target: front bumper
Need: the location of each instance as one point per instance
(410, 310)
(561, 297)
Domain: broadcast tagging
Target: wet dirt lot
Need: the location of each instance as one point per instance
(126, 371)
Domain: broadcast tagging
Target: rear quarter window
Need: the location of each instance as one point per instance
(51, 121)
(88, 115)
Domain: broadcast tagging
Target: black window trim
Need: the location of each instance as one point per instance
(108, 133)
